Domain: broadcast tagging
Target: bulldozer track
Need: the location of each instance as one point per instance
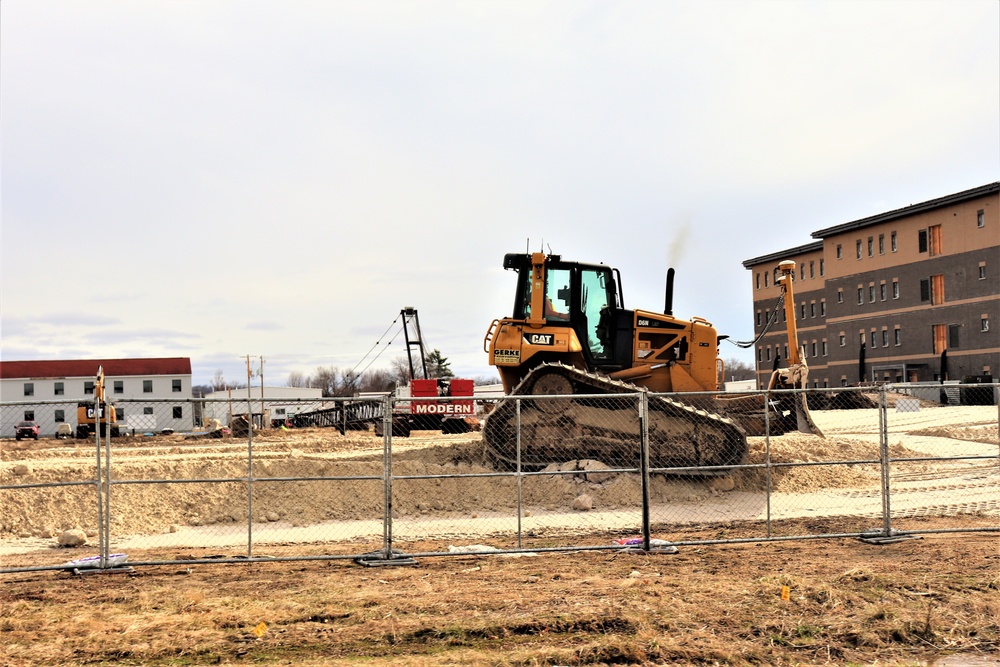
(590, 419)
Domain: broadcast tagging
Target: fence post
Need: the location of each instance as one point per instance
(883, 423)
(250, 467)
(105, 544)
(517, 445)
(644, 467)
(767, 459)
(387, 478)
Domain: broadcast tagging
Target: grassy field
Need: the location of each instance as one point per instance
(848, 603)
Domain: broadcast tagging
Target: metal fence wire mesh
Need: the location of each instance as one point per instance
(243, 479)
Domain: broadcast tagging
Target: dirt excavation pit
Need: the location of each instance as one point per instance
(148, 509)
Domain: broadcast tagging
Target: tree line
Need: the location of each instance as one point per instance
(335, 381)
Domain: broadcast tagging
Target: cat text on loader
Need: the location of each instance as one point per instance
(91, 413)
(570, 334)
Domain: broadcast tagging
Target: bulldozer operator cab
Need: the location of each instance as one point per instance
(581, 297)
(573, 314)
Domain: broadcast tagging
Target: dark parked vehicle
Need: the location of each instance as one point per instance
(26, 429)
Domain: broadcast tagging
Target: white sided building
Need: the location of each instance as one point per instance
(279, 403)
(142, 390)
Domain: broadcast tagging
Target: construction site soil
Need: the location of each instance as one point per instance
(146, 509)
(831, 601)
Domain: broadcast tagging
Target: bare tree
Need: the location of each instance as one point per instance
(326, 379)
(400, 370)
(737, 369)
(219, 380)
(297, 379)
(377, 380)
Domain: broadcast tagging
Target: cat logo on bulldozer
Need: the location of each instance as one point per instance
(540, 339)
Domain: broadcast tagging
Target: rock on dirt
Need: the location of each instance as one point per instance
(72, 538)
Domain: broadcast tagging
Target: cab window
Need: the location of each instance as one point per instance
(595, 297)
(557, 299)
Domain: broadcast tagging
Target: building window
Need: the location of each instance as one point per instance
(881, 244)
(843, 340)
(175, 385)
(29, 415)
(812, 309)
(58, 389)
(953, 330)
(822, 308)
(897, 336)
(881, 291)
(840, 251)
(874, 339)
(858, 248)
(786, 350)
(871, 294)
(822, 269)
(758, 280)
(147, 386)
(885, 338)
(119, 387)
(895, 288)
(803, 311)
(29, 388)
(758, 318)
(765, 279)
(980, 218)
(147, 411)
(760, 354)
(984, 323)
(840, 296)
(88, 387)
(814, 348)
(922, 240)
(892, 241)
(824, 347)
(60, 416)
(812, 269)
(769, 353)
(802, 271)
(178, 412)
(982, 271)
(861, 295)
(871, 247)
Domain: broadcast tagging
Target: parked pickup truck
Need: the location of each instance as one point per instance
(26, 429)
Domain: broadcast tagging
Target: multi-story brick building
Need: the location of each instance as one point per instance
(910, 295)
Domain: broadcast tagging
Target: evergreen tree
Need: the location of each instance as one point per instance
(437, 366)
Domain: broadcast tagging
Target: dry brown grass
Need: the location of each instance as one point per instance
(850, 603)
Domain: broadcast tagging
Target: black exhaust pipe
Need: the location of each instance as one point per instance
(668, 304)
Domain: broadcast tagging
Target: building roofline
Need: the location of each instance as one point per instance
(913, 209)
(66, 368)
(783, 254)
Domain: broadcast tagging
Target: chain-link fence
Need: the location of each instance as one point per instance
(238, 480)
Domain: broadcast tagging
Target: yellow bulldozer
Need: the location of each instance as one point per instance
(570, 335)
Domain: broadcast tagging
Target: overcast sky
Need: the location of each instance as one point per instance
(213, 179)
